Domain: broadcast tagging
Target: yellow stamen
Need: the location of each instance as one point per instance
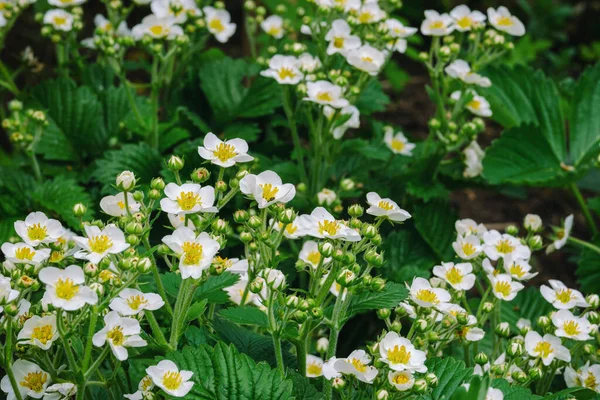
(564, 295)
(188, 200)
(505, 21)
(314, 258)
(37, 232)
(291, 229)
(401, 379)
(136, 301)
(504, 246)
(59, 21)
(157, 30)
(338, 42)
(269, 191)
(465, 22)
(172, 380)
(34, 381)
(366, 59)
(590, 381)
(324, 96)
(66, 289)
(116, 335)
(398, 145)
(398, 355)
(43, 333)
(517, 270)
(571, 328)
(503, 288)
(121, 205)
(192, 253)
(474, 104)
(543, 349)
(329, 227)
(468, 249)
(24, 253)
(216, 25)
(427, 296)
(224, 152)
(436, 25)
(365, 17)
(454, 276)
(359, 365)
(286, 72)
(100, 243)
(314, 369)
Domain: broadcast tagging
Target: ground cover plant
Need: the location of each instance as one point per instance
(209, 201)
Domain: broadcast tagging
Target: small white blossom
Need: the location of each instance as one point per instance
(224, 153)
(562, 235)
(219, 23)
(66, 3)
(267, 188)
(310, 254)
(366, 58)
(572, 327)
(133, 302)
(321, 224)
(195, 252)
(32, 381)
(473, 160)
(176, 9)
(100, 242)
(60, 20)
(500, 245)
(547, 347)
(39, 331)
(436, 24)
(309, 63)
(588, 376)
(467, 247)
(465, 19)
(401, 380)
(314, 366)
(340, 38)
(518, 269)
(370, 13)
(120, 333)
(503, 287)
(397, 142)
(502, 20)
(478, 105)
(400, 354)
(61, 391)
(273, 26)
(424, 295)
(157, 28)
(460, 69)
(65, 288)
(385, 208)
(352, 122)
(189, 198)
(325, 93)
(38, 228)
(357, 364)
(561, 297)
(169, 378)
(284, 69)
(115, 205)
(326, 197)
(144, 391)
(460, 276)
(22, 253)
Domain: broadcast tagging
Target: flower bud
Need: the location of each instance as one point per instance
(325, 249)
(356, 210)
(369, 231)
(535, 373)
(346, 185)
(593, 317)
(163, 249)
(25, 281)
(90, 270)
(133, 240)
(219, 225)
(338, 383)
(420, 386)
(274, 278)
(355, 223)
(433, 337)
(157, 184)
(299, 316)
(593, 300)
(292, 301)
(345, 277)
(377, 240)
(384, 313)
(519, 376)
(503, 329)
(535, 242)
(589, 349)
(221, 186)
(286, 216)
(144, 265)
(125, 181)
(256, 285)
(423, 56)
(301, 187)
(421, 325)
(543, 321)
(317, 312)
(175, 164)
(200, 175)
(383, 395)
(79, 210)
(134, 228)
(532, 222)
(154, 194)
(322, 345)
(254, 222)
(498, 369)
(434, 124)
(378, 284)
(512, 230)
(514, 349)
(481, 358)
(241, 216)
(11, 310)
(462, 318)
(487, 307)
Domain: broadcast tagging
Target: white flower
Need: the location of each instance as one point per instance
(572, 327)
(562, 235)
(370, 13)
(267, 188)
(60, 391)
(309, 63)
(7, 294)
(385, 208)
(291, 231)
(22, 308)
(409, 308)
(178, 220)
(357, 364)
(500, 245)
(157, 28)
(473, 160)
(518, 269)
(273, 26)
(65, 3)
(31, 380)
(532, 222)
(321, 224)
(459, 276)
(100, 243)
(465, 19)
(310, 254)
(38, 228)
(340, 38)
(436, 24)
(366, 58)
(314, 366)
(352, 122)
(144, 391)
(115, 205)
(134, 302)
(424, 295)
(188, 198)
(22, 253)
(169, 378)
(588, 376)
(236, 291)
(397, 142)
(466, 227)
(176, 9)
(502, 20)
(504, 287)
(326, 94)
(39, 331)
(468, 247)
(219, 23)
(547, 348)
(561, 297)
(284, 69)
(478, 105)
(401, 380)
(195, 252)
(396, 29)
(492, 393)
(460, 69)
(65, 288)
(120, 333)
(233, 265)
(329, 370)
(273, 277)
(523, 324)
(326, 197)
(224, 153)
(400, 354)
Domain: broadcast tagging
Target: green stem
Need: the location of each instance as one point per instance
(159, 284)
(158, 335)
(91, 330)
(584, 208)
(585, 244)
(97, 362)
(289, 112)
(8, 359)
(35, 166)
(155, 98)
(274, 329)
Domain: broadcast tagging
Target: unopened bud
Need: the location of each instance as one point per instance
(377, 284)
(125, 181)
(384, 313)
(200, 175)
(481, 358)
(175, 164)
(503, 329)
(256, 285)
(157, 184)
(593, 300)
(144, 265)
(487, 307)
(322, 345)
(287, 216)
(543, 321)
(356, 210)
(512, 230)
(421, 325)
(420, 386)
(383, 394)
(79, 209)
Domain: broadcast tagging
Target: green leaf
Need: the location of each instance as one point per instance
(196, 336)
(222, 373)
(7, 229)
(587, 272)
(512, 392)
(247, 131)
(303, 390)
(585, 118)
(196, 310)
(212, 289)
(116, 108)
(372, 99)
(435, 222)
(404, 250)
(578, 393)
(54, 145)
(172, 137)
(141, 159)
(245, 315)
(451, 374)
(389, 297)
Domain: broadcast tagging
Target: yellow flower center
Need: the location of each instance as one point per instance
(192, 253)
(59, 21)
(274, 31)
(454, 276)
(359, 365)
(474, 104)
(564, 295)
(100, 243)
(106, 275)
(436, 24)
(157, 30)
(504, 21)
(571, 328)
(401, 379)
(188, 200)
(225, 262)
(543, 349)
(314, 258)
(560, 234)
(56, 256)
(34, 381)
(116, 335)
(37, 232)
(503, 288)
(365, 17)
(314, 369)
(286, 72)
(468, 249)
(66, 289)
(366, 59)
(224, 152)
(324, 96)
(136, 301)
(465, 22)
(329, 227)
(398, 355)
(146, 383)
(121, 205)
(398, 145)
(427, 296)
(216, 25)
(590, 381)
(24, 253)
(504, 246)
(517, 270)
(172, 380)
(291, 229)
(338, 42)
(42, 333)
(386, 205)
(269, 191)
